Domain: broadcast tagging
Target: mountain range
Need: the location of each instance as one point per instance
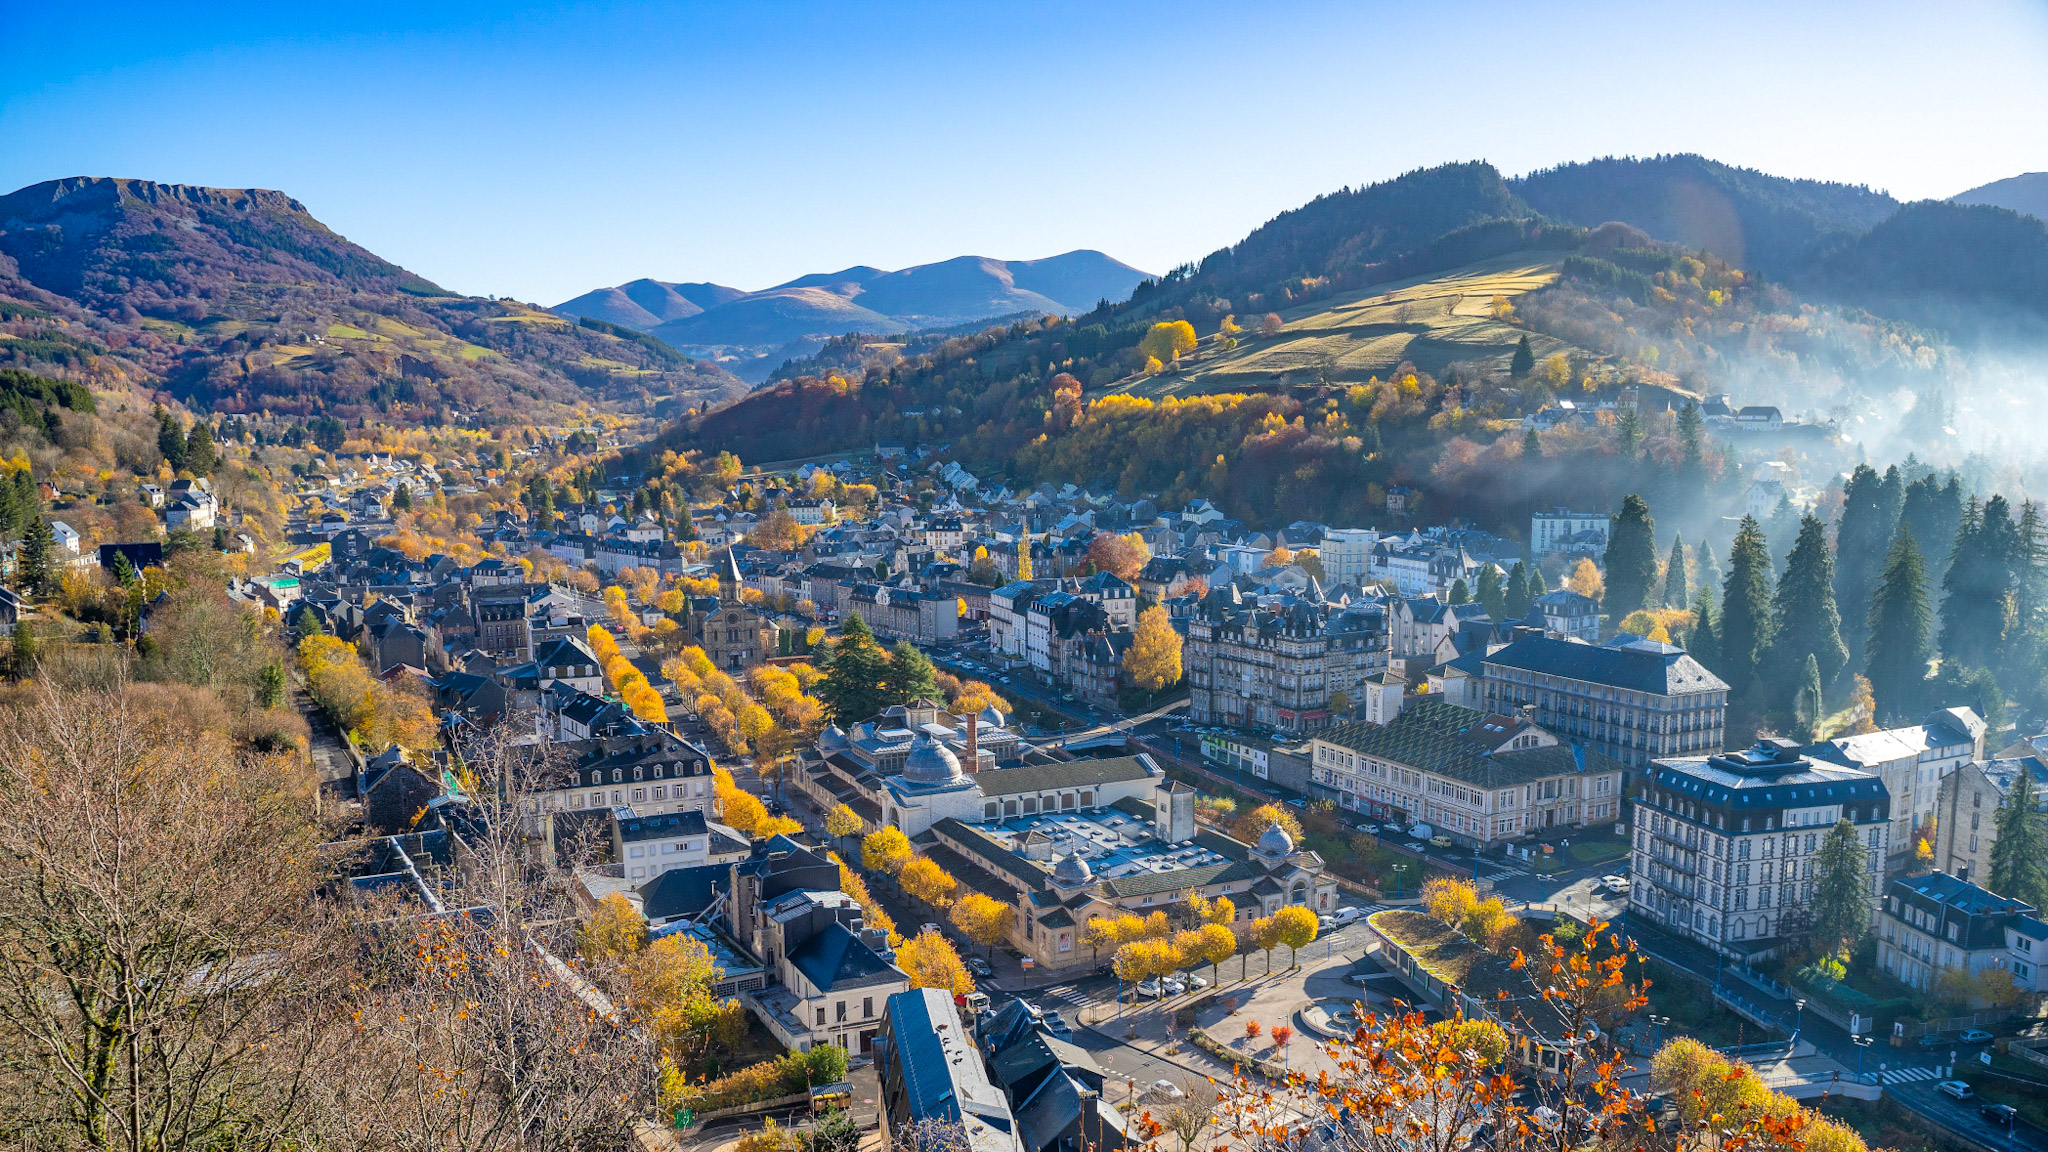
(239, 300)
(752, 332)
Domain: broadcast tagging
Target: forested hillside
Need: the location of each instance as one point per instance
(239, 301)
(1394, 334)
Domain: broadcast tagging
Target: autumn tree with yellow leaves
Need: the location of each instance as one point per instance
(930, 961)
(1153, 660)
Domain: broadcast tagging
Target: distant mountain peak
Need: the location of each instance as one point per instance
(2026, 193)
(753, 331)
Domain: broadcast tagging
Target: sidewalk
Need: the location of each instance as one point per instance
(1269, 999)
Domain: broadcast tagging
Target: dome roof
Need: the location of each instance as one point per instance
(1072, 870)
(832, 739)
(1275, 841)
(930, 762)
(992, 716)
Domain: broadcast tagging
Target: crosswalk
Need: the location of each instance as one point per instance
(1908, 1075)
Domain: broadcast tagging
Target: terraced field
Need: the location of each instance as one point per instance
(1431, 321)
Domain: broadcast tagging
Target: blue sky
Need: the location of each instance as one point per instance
(540, 152)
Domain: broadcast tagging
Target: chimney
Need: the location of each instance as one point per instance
(972, 761)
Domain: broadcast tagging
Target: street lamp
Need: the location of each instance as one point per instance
(1398, 870)
(1799, 1020)
(1660, 1022)
(1861, 1042)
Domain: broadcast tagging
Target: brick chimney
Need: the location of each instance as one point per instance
(972, 761)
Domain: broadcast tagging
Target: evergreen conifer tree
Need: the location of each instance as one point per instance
(23, 654)
(34, 564)
(1523, 360)
(1461, 593)
(1809, 706)
(910, 676)
(2019, 856)
(1631, 557)
(854, 685)
(1709, 574)
(1841, 891)
(1676, 592)
(1491, 595)
(1861, 534)
(200, 454)
(1532, 447)
(1704, 641)
(1537, 587)
(1692, 450)
(1746, 625)
(1518, 594)
(1783, 531)
(170, 440)
(1807, 621)
(1895, 660)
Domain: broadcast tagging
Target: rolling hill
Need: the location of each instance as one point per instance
(2027, 194)
(239, 300)
(752, 332)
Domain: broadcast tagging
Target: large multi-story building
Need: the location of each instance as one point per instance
(1477, 778)
(1723, 845)
(1279, 666)
(1936, 923)
(1969, 797)
(1346, 554)
(1631, 699)
(1562, 530)
(1912, 762)
(932, 1079)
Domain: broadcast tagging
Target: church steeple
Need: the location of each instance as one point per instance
(729, 580)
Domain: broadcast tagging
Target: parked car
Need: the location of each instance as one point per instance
(1348, 915)
(1195, 982)
(1999, 1113)
(1440, 841)
(1325, 924)
(1935, 1040)
(1167, 1089)
(1974, 1036)
(1955, 1088)
(1148, 988)
(930, 927)
(1173, 985)
(1615, 884)
(979, 967)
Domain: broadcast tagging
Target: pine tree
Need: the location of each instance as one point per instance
(1523, 360)
(1861, 534)
(1895, 660)
(200, 455)
(124, 569)
(910, 676)
(401, 498)
(1461, 593)
(1710, 574)
(34, 564)
(1532, 447)
(1631, 558)
(1537, 587)
(1980, 585)
(1518, 594)
(1491, 595)
(1676, 593)
(853, 687)
(1809, 706)
(1746, 625)
(1807, 621)
(1783, 531)
(2019, 856)
(1704, 641)
(1628, 435)
(170, 440)
(1841, 891)
(1692, 449)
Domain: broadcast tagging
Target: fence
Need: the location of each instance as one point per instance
(1747, 1010)
(1986, 1020)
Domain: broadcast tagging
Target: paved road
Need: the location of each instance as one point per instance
(1962, 1118)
